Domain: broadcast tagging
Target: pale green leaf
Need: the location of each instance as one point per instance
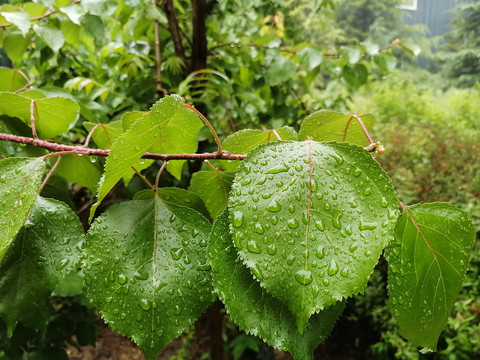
(79, 169)
(146, 270)
(52, 36)
(279, 70)
(15, 45)
(74, 13)
(45, 250)
(310, 220)
(243, 141)
(34, 9)
(53, 116)
(20, 180)
(310, 57)
(100, 8)
(11, 80)
(20, 19)
(132, 144)
(213, 188)
(264, 316)
(328, 125)
(427, 264)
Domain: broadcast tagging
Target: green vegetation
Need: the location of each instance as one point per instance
(155, 157)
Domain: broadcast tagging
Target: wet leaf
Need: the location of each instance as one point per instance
(427, 264)
(253, 309)
(20, 180)
(45, 250)
(213, 188)
(146, 270)
(80, 170)
(327, 125)
(310, 220)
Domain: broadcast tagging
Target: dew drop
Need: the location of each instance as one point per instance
(145, 304)
(176, 253)
(336, 220)
(357, 172)
(304, 277)
(367, 191)
(272, 249)
(320, 225)
(293, 223)
(257, 272)
(122, 279)
(291, 208)
(337, 158)
(278, 169)
(237, 219)
(384, 202)
(291, 259)
(332, 268)
(253, 247)
(259, 228)
(367, 226)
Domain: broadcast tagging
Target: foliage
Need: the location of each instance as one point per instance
(294, 230)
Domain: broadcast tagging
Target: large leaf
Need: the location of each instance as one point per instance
(53, 116)
(146, 270)
(213, 188)
(264, 316)
(427, 264)
(20, 19)
(45, 250)
(310, 220)
(132, 144)
(20, 180)
(11, 80)
(243, 141)
(327, 125)
(52, 36)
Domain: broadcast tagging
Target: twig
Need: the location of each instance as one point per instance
(276, 134)
(89, 136)
(157, 178)
(61, 149)
(175, 32)
(360, 121)
(145, 180)
(27, 85)
(50, 172)
(32, 119)
(210, 127)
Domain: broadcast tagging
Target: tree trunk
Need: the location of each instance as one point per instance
(199, 48)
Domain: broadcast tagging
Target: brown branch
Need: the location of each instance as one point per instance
(199, 43)
(27, 85)
(62, 149)
(158, 58)
(175, 32)
(52, 12)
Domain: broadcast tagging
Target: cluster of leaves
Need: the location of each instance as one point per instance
(299, 232)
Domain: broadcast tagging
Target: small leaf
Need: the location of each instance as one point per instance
(213, 188)
(79, 169)
(280, 70)
(310, 57)
(147, 271)
(266, 316)
(427, 264)
(132, 144)
(243, 141)
(311, 220)
(15, 45)
(53, 116)
(52, 36)
(355, 75)
(327, 125)
(106, 134)
(12, 80)
(20, 19)
(100, 8)
(43, 253)
(20, 180)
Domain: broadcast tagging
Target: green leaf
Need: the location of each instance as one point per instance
(11, 79)
(280, 70)
(355, 75)
(213, 188)
(53, 116)
(34, 9)
(327, 125)
(146, 270)
(100, 8)
(310, 220)
(45, 250)
(427, 264)
(106, 134)
(264, 316)
(20, 19)
(310, 57)
(20, 180)
(132, 144)
(79, 169)
(52, 36)
(15, 45)
(243, 141)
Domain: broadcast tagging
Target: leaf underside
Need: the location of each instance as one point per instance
(253, 309)
(310, 220)
(427, 263)
(146, 270)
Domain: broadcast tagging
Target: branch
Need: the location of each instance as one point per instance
(175, 32)
(52, 12)
(158, 58)
(61, 149)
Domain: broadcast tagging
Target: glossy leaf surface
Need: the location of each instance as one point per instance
(45, 250)
(11, 79)
(427, 264)
(253, 309)
(132, 144)
(80, 170)
(53, 116)
(146, 270)
(310, 220)
(327, 125)
(213, 188)
(20, 180)
(243, 141)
